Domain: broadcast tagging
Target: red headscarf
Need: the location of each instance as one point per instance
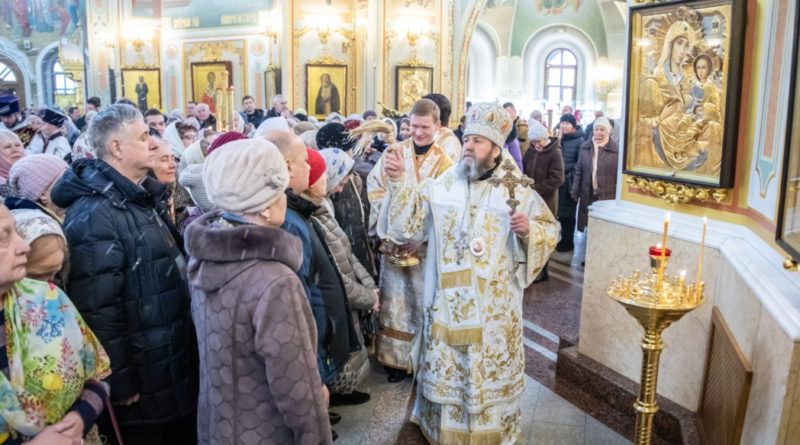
(317, 163)
(224, 139)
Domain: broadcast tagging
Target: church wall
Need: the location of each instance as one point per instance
(743, 277)
(28, 28)
(528, 31)
(416, 33)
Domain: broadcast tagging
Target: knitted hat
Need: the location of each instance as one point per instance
(602, 121)
(34, 224)
(338, 165)
(224, 139)
(52, 117)
(310, 139)
(302, 127)
(569, 118)
(33, 174)
(317, 163)
(335, 135)
(489, 120)
(536, 130)
(247, 177)
(302, 111)
(192, 178)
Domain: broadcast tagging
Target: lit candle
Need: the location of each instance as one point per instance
(702, 247)
(663, 251)
(683, 279)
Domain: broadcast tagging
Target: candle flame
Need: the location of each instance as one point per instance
(666, 217)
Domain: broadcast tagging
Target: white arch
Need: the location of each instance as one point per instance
(483, 51)
(541, 43)
(40, 71)
(9, 51)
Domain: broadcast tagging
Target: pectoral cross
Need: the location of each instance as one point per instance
(510, 182)
(461, 246)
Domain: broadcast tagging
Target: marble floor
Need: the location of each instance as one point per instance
(552, 316)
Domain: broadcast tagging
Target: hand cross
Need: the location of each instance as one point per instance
(510, 182)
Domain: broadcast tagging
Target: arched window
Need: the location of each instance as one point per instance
(7, 74)
(560, 76)
(63, 85)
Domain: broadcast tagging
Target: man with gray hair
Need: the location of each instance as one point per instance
(204, 116)
(128, 280)
(280, 107)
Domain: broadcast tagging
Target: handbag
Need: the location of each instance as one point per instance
(369, 329)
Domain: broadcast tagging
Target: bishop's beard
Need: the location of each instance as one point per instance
(470, 169)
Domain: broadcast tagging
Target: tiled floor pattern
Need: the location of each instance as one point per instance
(546, 418)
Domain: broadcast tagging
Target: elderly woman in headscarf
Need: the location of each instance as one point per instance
(34, 177)
(350, 208)
(596, 171)
(173, 137)
(11, 151)
(330, 168)
(48, 255)
(253, 320)
(51, 364)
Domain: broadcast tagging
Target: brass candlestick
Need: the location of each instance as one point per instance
(655, 301)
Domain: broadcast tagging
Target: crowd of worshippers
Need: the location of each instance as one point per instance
(165, 283)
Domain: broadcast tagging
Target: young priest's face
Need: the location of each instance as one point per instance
(423, 128)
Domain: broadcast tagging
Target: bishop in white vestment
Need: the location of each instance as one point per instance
(468, 355)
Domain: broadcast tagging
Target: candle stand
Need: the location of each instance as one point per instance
(655, 300)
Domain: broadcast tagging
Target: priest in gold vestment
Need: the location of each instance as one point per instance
(468, 355)
(401, 285)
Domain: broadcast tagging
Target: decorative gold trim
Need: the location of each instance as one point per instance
(461, 95)
(415, 63)
(460, 278)
(457, 337)
(791, 265)
(326, 60)
(140, 65)
(675, 193)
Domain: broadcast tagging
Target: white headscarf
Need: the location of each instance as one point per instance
(172, 136)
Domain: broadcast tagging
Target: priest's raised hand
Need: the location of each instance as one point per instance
(393, 164)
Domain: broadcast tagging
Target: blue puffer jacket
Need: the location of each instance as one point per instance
(325, 289)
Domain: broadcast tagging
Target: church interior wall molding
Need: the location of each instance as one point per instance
(13, 56)
(323, 31)
(771, 104)
(416, 34)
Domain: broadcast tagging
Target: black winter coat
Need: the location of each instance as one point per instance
(128, 282)
(570, 148)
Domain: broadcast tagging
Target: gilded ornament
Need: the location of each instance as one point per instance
(791, 265)
(416, 63)
(675, 193)
(326, 60)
